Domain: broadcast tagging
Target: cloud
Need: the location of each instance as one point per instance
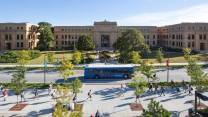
(197, 13)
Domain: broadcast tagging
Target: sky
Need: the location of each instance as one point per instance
(85, 12)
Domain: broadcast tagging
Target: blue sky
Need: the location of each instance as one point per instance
(85, 12)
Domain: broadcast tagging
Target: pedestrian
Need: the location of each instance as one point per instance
(91, 115)
(75, 98)
(90, 95)
(97, 114)
(22, 95)
(35, 92)
(5, 94)
(122, 90)
(162, 91)
(190, 89)
(156, 87)
(50, 88)
(1, 89)
(172, 84)
(150, 87)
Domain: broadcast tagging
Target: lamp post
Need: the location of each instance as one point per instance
(45, 67)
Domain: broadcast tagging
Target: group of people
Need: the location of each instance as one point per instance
(97, 114)
(186, 87)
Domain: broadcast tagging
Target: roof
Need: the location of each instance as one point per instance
(97, 65)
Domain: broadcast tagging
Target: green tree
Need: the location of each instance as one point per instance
(131, 40)
(65, 69)
(50, 57)
(187, 52)
(46, 37)
(77, 57)
(130, 57)
(196, 73)
(159, 56)
(76, 85)
(60, 111)
(139, 85)
(85, 42)
(18, 80)
(147, 70)
(155, 110)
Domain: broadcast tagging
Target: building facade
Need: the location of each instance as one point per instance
(185, 35)
(104, 34)
(18, 36)
(15, 36)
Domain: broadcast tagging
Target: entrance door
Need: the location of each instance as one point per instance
(105, 41)
(202, 46)
(8, 46)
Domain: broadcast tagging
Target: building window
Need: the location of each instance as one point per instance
(193, 36)
(189, 36)
(56, 36)
(173, 36)
(21, 28)
(153, 42)
(22, 37)
(62, 36)
(10, 37)
(18, 44)
(6, 37)
(205, 36)
(17, 37)
(69, 36)
(10, 28)
(62, 42)
(21, 44)
(17, 28)
(189, 44)
(200, 36)
(56, 42)
(65, 36)
(153, 36)
(192, 44)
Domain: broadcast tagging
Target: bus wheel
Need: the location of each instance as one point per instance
(96, 76)
(126, 76)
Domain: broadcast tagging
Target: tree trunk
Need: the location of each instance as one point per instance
(17, 99)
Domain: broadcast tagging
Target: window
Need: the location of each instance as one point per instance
(153, 36)
(69, 36)
(21, 44)
(193, 36)
(65, 36)
(193, 44)
(18, 44)
(22, 37)
(10, 37)
(173, 36)
(17, 28)
(173, 43)
(17, 37)
(153, 42)
(21, 28)
(205, 37)
(10, 28)
(56, 42)
(62, 42)
(62, 36)
(6, 37)
(200, 36)
(189, 44)
(56, 36)
(189, 36)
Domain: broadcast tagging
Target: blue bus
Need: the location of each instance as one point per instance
(96, 71)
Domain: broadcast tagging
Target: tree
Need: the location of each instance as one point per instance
(139, 85)
(77, 57)
(50, 57)
(155, 110)
(76, 85)
(65, 69)
(130, 57)
(85, 42)
(131, 40)
(187, 52)
(64, 97)
(18, 80)
(147, 70)
(159, 56)
(196, 73)
(46, 37)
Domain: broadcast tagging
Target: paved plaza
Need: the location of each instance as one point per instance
(105, 98)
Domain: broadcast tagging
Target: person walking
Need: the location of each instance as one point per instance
(35, 93)
(5, 94)
(190, 89)
(50, 89)
(162, 91)
(97, 114)
(156, 88)
(150, 87)
(75, 98)
(89, 95)
(122, 90)
(22, 96)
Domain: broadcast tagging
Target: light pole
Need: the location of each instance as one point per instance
(45, 67)
(167, 64)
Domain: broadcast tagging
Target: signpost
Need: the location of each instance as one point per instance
(167, 64)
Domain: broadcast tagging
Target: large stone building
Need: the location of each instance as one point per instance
(185, 35)
(105, 34)
(18, 36)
